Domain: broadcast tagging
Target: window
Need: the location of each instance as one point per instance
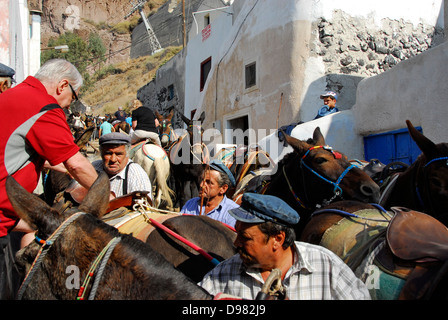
(251, 75)
(170, 92)
(206, 65)
(206, 20)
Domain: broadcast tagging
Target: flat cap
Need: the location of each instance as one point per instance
(219, 166)
(258, 208)
(6, 71)
(115, 138)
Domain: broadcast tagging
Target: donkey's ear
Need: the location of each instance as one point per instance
(186, 120)
(426, 146)
(96, 201)
(299, 146)
(202, 117)
(158, 116)
(318, 137)
(33, 210)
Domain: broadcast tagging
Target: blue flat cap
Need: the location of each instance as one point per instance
(115, 138)
(219, 166)
(258, 208)
(6, 71)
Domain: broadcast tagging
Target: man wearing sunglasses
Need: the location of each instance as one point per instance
(35, 132)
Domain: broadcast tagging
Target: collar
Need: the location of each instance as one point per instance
(35, 83)
(218, 207)
(122, 173)
(300, 265)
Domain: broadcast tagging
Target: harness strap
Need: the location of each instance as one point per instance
(337, 189)
(436, 159)
(292, 190)
(125, 182)
(417, 189)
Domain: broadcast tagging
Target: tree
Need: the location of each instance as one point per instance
(77, 54)
(96, 49)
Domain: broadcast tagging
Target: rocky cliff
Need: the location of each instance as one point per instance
(85, 16)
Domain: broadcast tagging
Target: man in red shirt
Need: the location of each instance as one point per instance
(35, 131)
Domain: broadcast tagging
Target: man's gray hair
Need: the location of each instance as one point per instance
(55, 70)
(223, 179)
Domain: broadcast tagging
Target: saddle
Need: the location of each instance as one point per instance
(417, 245)
(413, 235)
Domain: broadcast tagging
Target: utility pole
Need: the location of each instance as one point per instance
(153, 42)
(184, 31)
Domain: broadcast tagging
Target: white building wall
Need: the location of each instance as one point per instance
(342, 131)
(199, 50)
(414, 90)
(338, 130)
(273, 14)
(19, 38)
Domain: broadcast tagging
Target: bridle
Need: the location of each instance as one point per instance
(166, 124)
(47, 244)
(337, 190)
(426, 181)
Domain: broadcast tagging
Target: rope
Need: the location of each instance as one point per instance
(155, 223)
(109, 248)
(46, 245)
(369, 261)
(292, 190)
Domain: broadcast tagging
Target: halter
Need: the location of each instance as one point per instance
(417, 189)
(166, 134)
(103, 257)
(437, 159)
(46, 245)
(337, 189)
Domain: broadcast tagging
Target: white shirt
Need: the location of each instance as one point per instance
(137, 179)
(316, 274)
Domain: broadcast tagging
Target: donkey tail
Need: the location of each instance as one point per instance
(163, 191)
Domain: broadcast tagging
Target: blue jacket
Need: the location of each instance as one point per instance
(325, 111)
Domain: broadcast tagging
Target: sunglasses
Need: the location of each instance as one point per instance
(74, 95)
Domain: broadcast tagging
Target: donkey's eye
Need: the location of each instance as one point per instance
(320, 160)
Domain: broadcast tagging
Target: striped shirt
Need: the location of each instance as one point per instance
(137, 179)
(316, 274)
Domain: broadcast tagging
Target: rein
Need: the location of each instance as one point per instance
(46, 245)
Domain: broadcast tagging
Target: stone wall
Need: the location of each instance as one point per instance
(350, 45)
(355, 47)
(156, 94)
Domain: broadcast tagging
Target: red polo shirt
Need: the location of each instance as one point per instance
(34, 129)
